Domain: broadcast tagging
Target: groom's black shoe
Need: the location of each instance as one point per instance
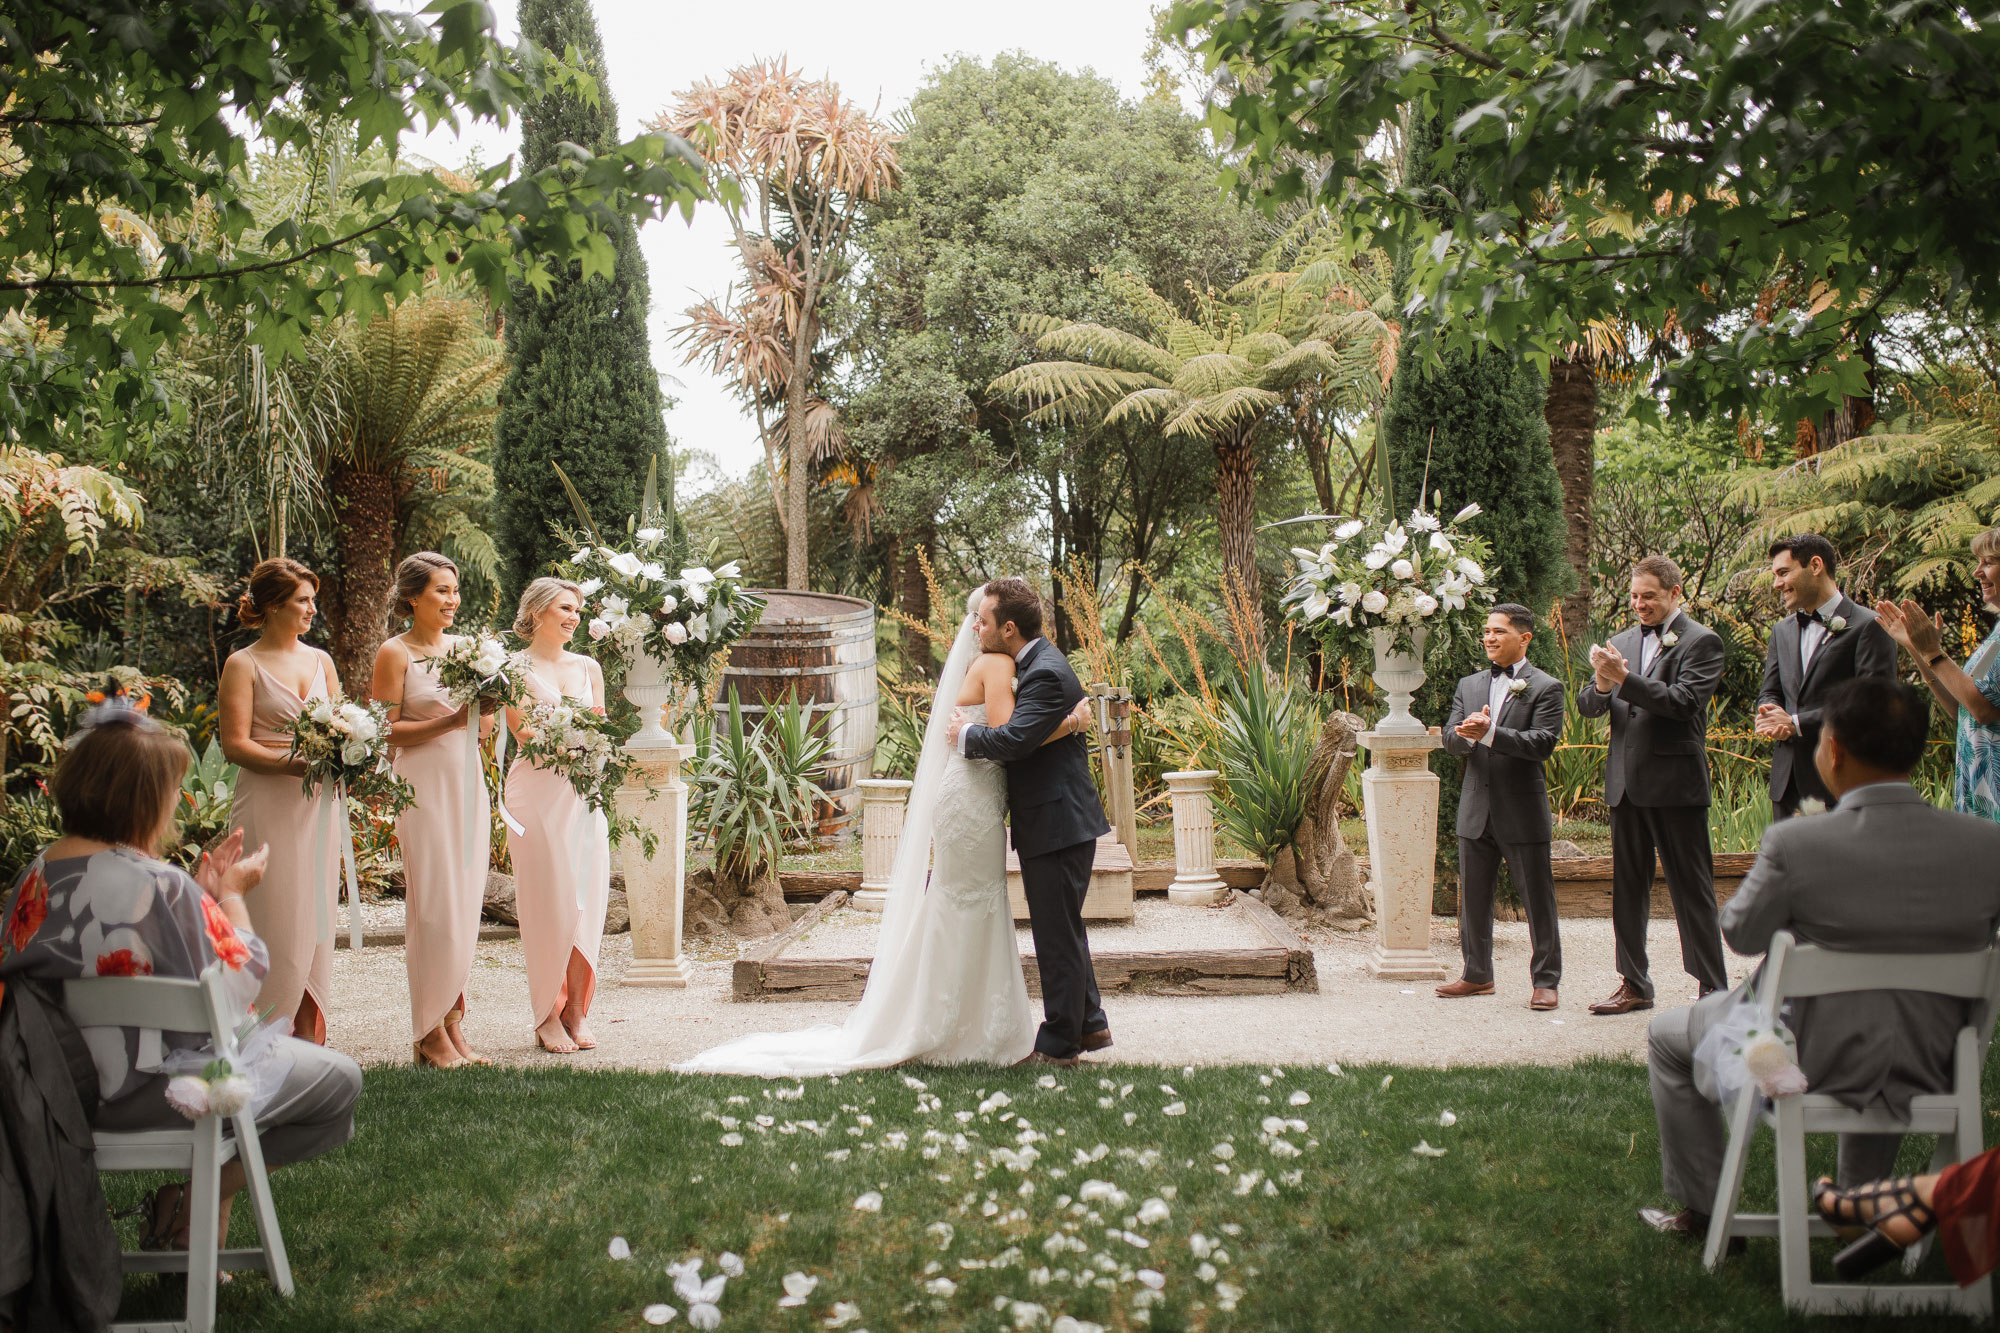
(1039, 1058)
(1098, 1040)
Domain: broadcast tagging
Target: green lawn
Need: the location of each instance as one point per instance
(486, 1199)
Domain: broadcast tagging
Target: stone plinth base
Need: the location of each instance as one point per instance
(656, 886)
(1110, 895)
(1399, 794)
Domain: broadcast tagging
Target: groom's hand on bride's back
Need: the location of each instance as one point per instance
(956, 725)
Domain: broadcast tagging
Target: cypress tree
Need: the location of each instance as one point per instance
(1471, 428)
(580, 389)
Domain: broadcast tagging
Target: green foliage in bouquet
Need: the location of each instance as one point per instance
(479, 667)
(583, 746)
(347, 743)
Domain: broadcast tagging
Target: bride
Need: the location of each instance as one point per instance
(946, 984)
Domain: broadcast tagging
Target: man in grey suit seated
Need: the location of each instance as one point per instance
(1883, 872)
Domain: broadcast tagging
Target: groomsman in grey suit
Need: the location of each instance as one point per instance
(1825, 640)
(1655, 681)
(1884, 871)
(1504, 723)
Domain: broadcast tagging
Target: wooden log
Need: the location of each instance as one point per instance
(1155, 876)
(1300, 970)
(386, 938)
(816, 884)
(746, 978)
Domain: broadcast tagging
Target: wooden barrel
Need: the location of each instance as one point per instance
(820, 649)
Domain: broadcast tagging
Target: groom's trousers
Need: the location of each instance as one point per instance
(1054, 884)
(1693, 1133)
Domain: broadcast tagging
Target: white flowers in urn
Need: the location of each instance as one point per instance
(1396, 574)
(633, 605)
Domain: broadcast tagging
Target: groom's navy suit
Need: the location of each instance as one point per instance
(1057, 820)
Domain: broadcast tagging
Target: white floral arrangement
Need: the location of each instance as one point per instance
(479, 668)
(347, 744)
(582, 745)
(216, 1090)
(1398, 575)
(635, 604)
(1771, 1057)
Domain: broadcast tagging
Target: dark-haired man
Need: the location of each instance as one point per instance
(1883, 872)
(1055, 814)
(1655, 681)
(1505, 722)
(1826, 639)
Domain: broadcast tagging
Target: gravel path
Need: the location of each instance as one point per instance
(1352, 1019)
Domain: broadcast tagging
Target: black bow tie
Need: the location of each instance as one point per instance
(1500, 671)
(1644, 630)
(1808, 618)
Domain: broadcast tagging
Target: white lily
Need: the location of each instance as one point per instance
(732, 570)
(1344, 616)
(1315, 606)
(614, 606)
(1470, 511)
(1394, 540)
(650, 534)
(1442, 544)
(626, 565)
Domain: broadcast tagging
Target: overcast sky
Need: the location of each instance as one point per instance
(878, 51)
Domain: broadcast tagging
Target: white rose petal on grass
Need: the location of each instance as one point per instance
(798, 1286)
(1224, 1151)
(1333, 1068)
(730, 1263)
(1387, 1079)
(871, 1202)
(844, 1313)
(1174, 1108)
(1424, 1149)
(658, 1314)
(731, 1140)
(1300, 1098)
(1446, 1118)
(704, 1316)
(618, 1248)
(1154, 1211)
(941, 1286)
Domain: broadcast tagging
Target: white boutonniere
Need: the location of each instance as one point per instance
(1812, 805)
(1517, 686)
(1836, 624)
(1669, 639)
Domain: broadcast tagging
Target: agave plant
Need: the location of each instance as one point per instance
(1264, 741)
(756, 787)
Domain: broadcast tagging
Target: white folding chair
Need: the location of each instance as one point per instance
(177, 1005)
(1793, 971)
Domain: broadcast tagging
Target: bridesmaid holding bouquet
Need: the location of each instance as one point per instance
(263, 688)
(444, 861)
(562, 858)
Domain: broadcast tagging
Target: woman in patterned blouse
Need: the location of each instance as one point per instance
(1973, 693)
(98, 902)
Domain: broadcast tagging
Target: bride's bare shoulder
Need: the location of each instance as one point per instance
(981, 675)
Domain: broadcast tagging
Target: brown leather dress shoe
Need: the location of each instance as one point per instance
(1624, 1000)
(1098, 1040)
(1543, 998)
(1038, 1058)
(1458, 990)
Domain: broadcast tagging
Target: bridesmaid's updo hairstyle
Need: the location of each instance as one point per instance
(271, 584)
(120, 778)
(538, 597)
(412, 577)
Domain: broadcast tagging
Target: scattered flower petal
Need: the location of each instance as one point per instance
(619, 1248)
(1153, 1212)
(1447, 1119)
(658, 1314)
(1152, 1278)
(1174, 1108)
(1387, 1079)
(941, 1286)
(704, 1316)
(1300, 1098)
(871, 1202)
(730, 1263)
(1424, 1149)
(844, 1313)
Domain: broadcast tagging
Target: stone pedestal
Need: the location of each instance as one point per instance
(656, 885)
(1113, 705)
(883, 801)
(1195, 881)
(1400, 796)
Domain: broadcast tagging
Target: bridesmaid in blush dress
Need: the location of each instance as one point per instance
(562, 858)
(263, 688)
(444, 882)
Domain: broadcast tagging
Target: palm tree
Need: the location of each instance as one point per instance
(1217, 377)
(805, 160)
(405, 463)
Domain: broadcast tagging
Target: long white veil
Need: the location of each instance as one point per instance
(882, 1029)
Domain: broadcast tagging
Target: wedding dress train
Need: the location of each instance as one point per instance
(946, 982)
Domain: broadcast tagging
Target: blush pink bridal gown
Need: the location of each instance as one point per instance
(562, 875)
(446, 884)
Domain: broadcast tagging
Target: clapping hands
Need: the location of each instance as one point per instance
(226, 872)
(1608, 666)
(1908, 625)
(1774, 723)
(1476, 726)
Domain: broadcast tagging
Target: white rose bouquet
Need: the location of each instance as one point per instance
(347, 744)
(583, 746)
(1399, 575)
(479, 668)
(645, 598)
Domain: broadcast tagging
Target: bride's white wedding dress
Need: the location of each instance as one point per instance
(946, 983)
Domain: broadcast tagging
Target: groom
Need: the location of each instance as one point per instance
(1056, 815)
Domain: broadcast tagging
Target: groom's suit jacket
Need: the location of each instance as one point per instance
(1659, 717)
(1050, 795)
(1504, 783)
(1882, 872)
(1863, 648)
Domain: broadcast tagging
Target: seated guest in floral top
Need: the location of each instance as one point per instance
(1973, 693)
(98, 902)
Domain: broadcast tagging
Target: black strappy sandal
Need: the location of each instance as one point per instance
(1875, 1248)
(152, 1235)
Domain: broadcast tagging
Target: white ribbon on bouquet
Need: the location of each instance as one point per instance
(332, 811)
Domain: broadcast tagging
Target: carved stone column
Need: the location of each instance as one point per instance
(883, 801)
(1399, 794)
(1113, 705)
(656, 885)
(1195, 881)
